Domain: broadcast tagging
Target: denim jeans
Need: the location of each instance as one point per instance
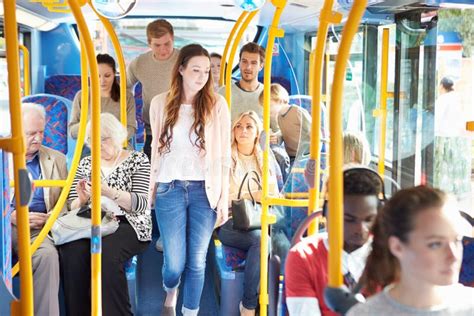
(248, 241)
(186, 222)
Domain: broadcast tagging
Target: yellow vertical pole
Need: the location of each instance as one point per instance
(121, 62)
(224, 61)
(267, 219)
(96, 247)
(335, 151)
(17, 146)
(228, 74)
(326, 17)
(26, 69)
(382, 111)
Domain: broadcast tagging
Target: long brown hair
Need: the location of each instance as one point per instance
(203, 102)
(110, 61)
(396, 219)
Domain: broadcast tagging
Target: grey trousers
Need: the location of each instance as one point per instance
(45, 263)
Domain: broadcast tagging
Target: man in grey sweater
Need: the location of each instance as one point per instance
(245, 92)
(153, 69)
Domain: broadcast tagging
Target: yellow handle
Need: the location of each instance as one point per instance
(335, 152)
(26, 69)
(16, 145)
(224, 61)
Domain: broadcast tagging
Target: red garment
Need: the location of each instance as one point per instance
(306, 272)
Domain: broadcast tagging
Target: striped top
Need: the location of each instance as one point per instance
(131, 175)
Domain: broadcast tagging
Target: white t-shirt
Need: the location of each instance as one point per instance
(185, 161)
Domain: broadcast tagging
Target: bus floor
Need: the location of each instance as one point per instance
(148, 295)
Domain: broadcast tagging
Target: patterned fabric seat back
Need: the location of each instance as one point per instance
(58, 111)
(68, 85)
(5, 240)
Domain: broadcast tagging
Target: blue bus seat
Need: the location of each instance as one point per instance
(466, 276)
(229, 262)
(67, 86)
(58, 113)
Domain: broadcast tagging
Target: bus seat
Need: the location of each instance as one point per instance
(285, 83)
(140, 136)
(58, 112)
(301, 100)
(63, 85)
(231, 283)
(466, 275)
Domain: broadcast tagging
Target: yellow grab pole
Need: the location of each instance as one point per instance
(228, 74)
(382, 111)
(326, 17)
(96, 247)
(26, 69)
(121, 63)
(267, 219)
(224, 62)
(335, 150)
(75, 162)
(16, 145)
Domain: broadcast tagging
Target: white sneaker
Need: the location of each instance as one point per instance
(159, 245)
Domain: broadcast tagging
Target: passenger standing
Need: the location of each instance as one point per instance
(216, 69)
(190, 174)
(247, 156)
(246, 91)
(416, 256)
(306, 271)
(42, 163)
(153, 70)
(109, 98)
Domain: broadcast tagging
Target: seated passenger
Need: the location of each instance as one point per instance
(125, 176)
(289, 123)
(216, 69)
(356, 151)
(42, 163)
(416, 256)
(247, 156)
(306, 271)
(109, 98)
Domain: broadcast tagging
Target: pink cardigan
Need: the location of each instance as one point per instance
(217, 133)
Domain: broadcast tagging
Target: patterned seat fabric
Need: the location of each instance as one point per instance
(5, 222)
(68, 85)
(63, 85)
(234, 257)
(57, 109)
(466, 276)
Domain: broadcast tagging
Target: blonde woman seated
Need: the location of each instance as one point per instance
(125, 176)
(247, 156)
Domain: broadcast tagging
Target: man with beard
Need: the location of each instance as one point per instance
(246, 91)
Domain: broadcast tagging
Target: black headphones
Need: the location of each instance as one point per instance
(347, 172)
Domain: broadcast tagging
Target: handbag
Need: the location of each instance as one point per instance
(246, 214)
(76, 225)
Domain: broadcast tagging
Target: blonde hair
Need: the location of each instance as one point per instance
(111, 127)
(277, 94)
(356, 149)
(257, 149)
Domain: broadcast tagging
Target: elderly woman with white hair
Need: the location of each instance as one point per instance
(125, 179)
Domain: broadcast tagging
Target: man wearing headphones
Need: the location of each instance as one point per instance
(306, 273)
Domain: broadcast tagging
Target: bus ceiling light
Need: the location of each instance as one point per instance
(32, 20)
(250, 5)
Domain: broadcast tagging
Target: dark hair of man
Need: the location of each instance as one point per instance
(253, 48)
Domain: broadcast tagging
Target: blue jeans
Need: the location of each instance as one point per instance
(248, 241)
(186, 221)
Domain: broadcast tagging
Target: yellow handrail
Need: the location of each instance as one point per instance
(26, 69)
(228, 74)
(335, 150)
(224, 61)
(268, 219)
(72, 172)
(326, 17)
(382, 111)
(122, 70)
(16, 145)
(96, 247)
(45, 183)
